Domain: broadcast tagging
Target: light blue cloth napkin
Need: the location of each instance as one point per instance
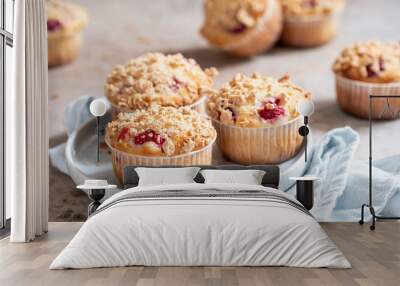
(343, 184)
(76, 113)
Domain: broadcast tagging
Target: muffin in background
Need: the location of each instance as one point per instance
(65, 22)
(310, 23)
(242, 27)
(368, 68)
(160, 136)
(257, 118)
(158, 79)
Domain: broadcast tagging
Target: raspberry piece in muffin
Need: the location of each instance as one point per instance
(53, 25)
(373, 61)
(160, 131)
(256, 101)
(149, 136)
(271, 110)
(157, 79)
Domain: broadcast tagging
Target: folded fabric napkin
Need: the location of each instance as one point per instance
(343, 184)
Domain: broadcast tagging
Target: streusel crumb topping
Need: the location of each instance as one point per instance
(64, 18)
(256, 101)
(155, 78)
(233, 16)
(298, 8)
(372, 61)
(168, 131)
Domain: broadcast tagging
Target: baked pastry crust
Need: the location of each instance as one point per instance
(307, 8)
(155, 78)
(256, 101)
(160, 131)
(373, 62)
(64, 19)
(242, 27)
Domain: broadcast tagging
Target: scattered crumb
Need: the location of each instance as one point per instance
(144, 40)
(54, 97)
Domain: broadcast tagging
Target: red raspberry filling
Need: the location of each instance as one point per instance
(176, 85)
(271, 113)
(53, 25)
(124, 134)
(370, 71)
(238, 29)
(148, 136)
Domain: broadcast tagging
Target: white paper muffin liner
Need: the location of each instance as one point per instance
(353, 98)
(198, 106)
(311, 31)
(265, 145)
(121, 159)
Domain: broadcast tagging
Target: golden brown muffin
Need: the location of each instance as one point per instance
(256, 101)
(242, 27)
(160, 136)
(369, 68)
(157, 79)
(65, 21)
(309, 23)
(257, 118)
(372, 61)
(160, 131)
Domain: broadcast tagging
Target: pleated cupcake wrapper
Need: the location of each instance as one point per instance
(353, 97)
(122, 159)
(267, 145)
(199, 106)
(311, 31)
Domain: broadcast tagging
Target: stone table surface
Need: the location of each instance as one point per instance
(120, 30)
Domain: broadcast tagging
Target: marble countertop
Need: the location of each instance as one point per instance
(120, 30)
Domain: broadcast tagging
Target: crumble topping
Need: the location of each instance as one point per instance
(372, 61)
(165, 131)
(300, 8)
(233, 16)
(256, 101)
(155, 78)
(64, 18)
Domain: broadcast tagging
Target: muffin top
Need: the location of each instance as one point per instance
(300, 8)
(373, 61)
(155, 78)
(232, 17)
(160, 131)
(256, 101)
(64, 18)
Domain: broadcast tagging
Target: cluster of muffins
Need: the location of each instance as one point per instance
(160, 116)
(249, 27)
(65, 22)
(368, 68)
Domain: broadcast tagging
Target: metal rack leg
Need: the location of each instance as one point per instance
(361, 221)
(372, 210)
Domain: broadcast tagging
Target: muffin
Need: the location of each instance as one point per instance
(65, 21)
(158, 79)
(368, 68)
(257, 118)
(160, 136)
(242, 27)
(310, 23)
